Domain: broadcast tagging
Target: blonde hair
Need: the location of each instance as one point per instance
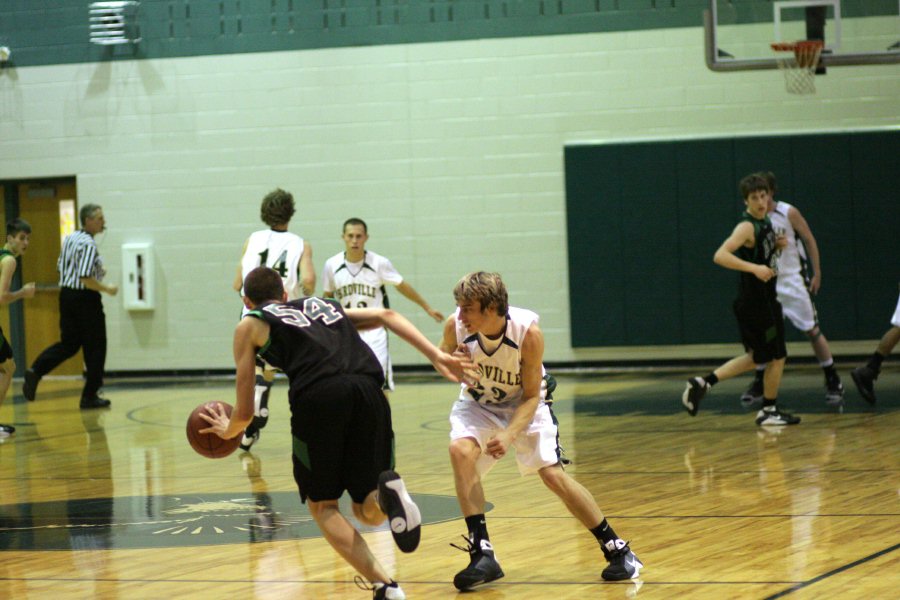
(487, 288)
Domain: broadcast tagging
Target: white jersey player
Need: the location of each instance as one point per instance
(795, 286)
(507, 409)
(279, 250)
(357, 279)
(289, 255)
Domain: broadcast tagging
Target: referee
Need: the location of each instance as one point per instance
(82, 323)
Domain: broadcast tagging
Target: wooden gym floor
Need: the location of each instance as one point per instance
(115, 504)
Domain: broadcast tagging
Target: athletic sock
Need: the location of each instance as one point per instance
(875, 362)
(477, 528)
(711, 379)
(604, 533)
(830, 372)
(769, 405)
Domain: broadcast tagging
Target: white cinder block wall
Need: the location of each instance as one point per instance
(452, 152)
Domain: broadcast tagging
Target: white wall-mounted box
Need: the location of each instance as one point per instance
(138, 275)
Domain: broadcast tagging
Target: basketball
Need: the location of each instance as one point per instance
(209, 444)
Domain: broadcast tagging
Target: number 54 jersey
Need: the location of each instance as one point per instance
(499, 361)
(311, 339)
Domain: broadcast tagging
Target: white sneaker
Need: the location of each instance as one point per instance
(775, 418)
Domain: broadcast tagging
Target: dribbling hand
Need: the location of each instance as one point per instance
(217, 418)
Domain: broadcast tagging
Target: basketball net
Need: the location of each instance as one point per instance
(799, 64)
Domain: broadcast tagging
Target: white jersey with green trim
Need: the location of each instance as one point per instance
(360, 284)
(793, 257)
(278, 250)
(499, 361)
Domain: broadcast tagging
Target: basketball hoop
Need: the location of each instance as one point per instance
(799, 68)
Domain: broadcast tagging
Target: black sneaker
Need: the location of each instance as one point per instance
(753, 397)
(402, 513)
(623, 564)
(94, 402)
(694, 391)
(6, 430)
(834, 392)
(864, 378)
(29, 387)
(775, 417)
(388, 591)
(483, 566)
(249, 437)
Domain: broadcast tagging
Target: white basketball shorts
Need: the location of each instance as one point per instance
(536, 447)
(795, 301)
(377, 339)
(896, 320)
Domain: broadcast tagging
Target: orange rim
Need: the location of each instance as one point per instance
(800, 45)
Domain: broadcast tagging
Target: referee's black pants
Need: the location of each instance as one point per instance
(82, 324)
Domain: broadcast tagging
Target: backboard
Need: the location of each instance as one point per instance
(739, 33)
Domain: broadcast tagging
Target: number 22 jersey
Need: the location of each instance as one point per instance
(499, 361)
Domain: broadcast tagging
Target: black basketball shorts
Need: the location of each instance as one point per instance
(342, 437)
(762, 329)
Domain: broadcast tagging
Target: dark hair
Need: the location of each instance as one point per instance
(87, 211)
(263, 284)
(355, 221)
(487, 288)
(753, 183)
(769, 176)
(277, 208)
(16, 226)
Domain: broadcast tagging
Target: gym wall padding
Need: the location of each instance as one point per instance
(645, 218)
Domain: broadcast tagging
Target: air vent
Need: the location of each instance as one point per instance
(114, 23)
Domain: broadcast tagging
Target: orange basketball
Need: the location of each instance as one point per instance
(209, 444)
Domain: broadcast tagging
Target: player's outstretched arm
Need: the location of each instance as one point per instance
(247, 336)
(451, 367)
(410, 292)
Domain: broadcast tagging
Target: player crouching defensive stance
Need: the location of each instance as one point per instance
(340, 419)
(507, 409)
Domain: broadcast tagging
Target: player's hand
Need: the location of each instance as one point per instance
(28, 290)
(497, 445)
(472, 375)
(112, 289)
(436, 315)
(455, 367)
(814, 284)
(763, 273)
(217, 418)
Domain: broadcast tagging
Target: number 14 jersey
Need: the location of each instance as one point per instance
(278, 250)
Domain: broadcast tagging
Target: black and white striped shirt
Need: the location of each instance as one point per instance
(79, 258)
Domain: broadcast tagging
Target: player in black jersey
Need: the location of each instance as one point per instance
(18, 232)
(752, 248)
(340, 418)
